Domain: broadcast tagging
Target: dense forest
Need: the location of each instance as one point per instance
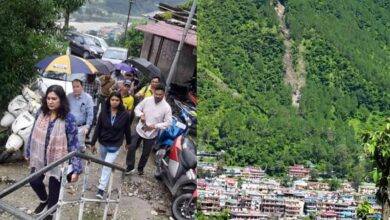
(245, 105)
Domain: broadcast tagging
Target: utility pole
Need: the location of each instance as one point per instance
(128, 18)
(174, 63)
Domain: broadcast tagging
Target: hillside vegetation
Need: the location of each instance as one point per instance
(245, 106)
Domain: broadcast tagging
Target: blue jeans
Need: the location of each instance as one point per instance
(108, 154)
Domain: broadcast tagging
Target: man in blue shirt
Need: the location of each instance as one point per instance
(81, 106)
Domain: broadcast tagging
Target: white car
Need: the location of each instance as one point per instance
(49, 78)
(115, 54)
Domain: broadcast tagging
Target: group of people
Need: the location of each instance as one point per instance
(64, 122)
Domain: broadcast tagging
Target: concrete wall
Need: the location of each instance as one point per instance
(161, 52)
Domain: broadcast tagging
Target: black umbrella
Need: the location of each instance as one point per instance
(146, 67)
(103, 66)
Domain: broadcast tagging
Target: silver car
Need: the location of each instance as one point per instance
(115, 54)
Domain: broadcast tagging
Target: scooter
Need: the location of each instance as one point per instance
(24, 107)
(29, 100)
(15, 107)
(21, 129)
(180, 125)
(178, 172)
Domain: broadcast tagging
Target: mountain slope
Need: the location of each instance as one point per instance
(241, 42)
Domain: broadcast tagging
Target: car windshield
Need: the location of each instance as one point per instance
(115, 54)
(63, 76)
(103, 43)
(89, 41)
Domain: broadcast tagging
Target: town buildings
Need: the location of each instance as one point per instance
(248, 194)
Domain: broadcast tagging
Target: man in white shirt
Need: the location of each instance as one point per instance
(155, 114)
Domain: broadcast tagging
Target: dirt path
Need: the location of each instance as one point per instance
(143, 197)
(294, 78)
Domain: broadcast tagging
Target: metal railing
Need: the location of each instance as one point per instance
(23, 215)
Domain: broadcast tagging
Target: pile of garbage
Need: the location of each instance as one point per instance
(19, 120)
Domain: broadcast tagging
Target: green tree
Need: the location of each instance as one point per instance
(377, 145)
(67, 7)
(334, 184)
(134, 39)
(363, 210)
(27, 34)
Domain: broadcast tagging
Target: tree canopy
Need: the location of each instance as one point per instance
(246, 107)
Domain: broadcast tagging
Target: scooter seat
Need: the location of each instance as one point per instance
(189, 159)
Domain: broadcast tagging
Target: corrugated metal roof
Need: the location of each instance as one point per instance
(169, 31)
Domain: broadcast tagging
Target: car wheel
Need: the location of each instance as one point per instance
(86, 55)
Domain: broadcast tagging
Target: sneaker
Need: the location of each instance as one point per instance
(129, 170)
(83, 149)
(100, 194)
(140, 172)
(41, 208)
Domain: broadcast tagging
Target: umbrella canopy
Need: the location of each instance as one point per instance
(146, 68)
(123, 66)
(102, 66)
(66, 64)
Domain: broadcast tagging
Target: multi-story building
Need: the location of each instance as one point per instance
(293, 208)
(252, 173)
(299, 185)
(367, 188)
(201, 184)
(299, 171)
(210, 167)
(232, 203)
(233, 172)
(231, 183)
(210, 204)
(345, 210)
(318, 186)
(347, 187)
(370, 198)
(329, 215)
(273, 205)
(310, 206)
(244, 214)
(267, 186)
(325, 206)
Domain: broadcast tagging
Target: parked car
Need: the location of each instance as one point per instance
(115, 54)
(84, 45)
(101, 42)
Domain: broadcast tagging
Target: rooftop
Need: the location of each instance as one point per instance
(168, 31)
